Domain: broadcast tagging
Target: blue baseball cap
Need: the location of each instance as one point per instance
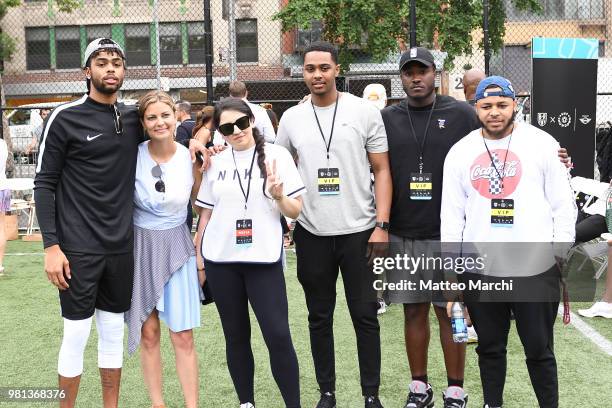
(506, 91)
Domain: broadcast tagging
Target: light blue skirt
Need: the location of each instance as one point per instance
(179, 303)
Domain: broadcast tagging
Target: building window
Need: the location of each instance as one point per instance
(305, 37)
(197, 43)
(558, 10)
(68, 46)
(138, 44)
(38, 55)
(170, 44)
(98, 31)
(246, 40)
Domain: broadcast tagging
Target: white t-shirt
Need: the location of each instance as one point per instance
(156, 210)
(358, 130)
(221, 192)
(3, 157)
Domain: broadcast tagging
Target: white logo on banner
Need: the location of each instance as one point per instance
(585, 119)
(542, 119)
(565, 119)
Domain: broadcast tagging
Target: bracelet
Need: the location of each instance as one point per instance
(200, 269)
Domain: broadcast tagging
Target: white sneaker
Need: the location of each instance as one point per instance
(472, 335)
(247, 405)
(599, 309)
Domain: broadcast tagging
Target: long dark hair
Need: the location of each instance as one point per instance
(239, 105)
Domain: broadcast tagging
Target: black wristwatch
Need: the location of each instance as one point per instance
(382, 225)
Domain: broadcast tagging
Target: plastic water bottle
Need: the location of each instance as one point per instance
(458, 323)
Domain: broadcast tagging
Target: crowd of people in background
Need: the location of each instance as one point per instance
(119, 190)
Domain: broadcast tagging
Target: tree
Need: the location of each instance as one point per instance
(380, 27)
(8, 45)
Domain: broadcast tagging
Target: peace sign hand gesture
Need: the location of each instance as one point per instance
(275, 185)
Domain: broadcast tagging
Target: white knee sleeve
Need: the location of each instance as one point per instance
(110, 339)
(76, 333)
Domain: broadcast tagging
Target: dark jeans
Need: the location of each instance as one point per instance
(534, 324)
(318, 260)
(233, 286)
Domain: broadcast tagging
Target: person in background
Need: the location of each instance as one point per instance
(37, 132)
(5, 201)
(202, 130)
(237, 89)
(271, 115)
(471, 79)
(376, 94)
(183, 115)
(166, 285)
(241, 243)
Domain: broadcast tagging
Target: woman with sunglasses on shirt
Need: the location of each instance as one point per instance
(166, 285)
(243, 193)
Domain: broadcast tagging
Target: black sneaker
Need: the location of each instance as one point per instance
(328, 400)
(372, 402)
(420, 395)
(454, 397)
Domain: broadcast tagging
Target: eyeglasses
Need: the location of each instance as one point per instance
(118, 123)
(156, 172)
(227, 129)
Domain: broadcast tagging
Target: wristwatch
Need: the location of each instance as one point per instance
(382, 225)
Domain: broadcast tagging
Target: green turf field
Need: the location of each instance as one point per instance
(30, 330)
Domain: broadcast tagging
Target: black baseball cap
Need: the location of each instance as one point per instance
(418, 54)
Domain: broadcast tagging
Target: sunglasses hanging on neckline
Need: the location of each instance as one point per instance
(156, 172)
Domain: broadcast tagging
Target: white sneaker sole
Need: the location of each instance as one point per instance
(587, 313)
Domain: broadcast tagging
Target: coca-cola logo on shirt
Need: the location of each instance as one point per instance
(485, 179)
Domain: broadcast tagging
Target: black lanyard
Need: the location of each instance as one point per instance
(246, 196)
(421, 146)
(331, 134)
(501, 177)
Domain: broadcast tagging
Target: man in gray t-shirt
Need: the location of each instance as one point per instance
(335, 138)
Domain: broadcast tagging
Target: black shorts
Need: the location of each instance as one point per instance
(98, 282)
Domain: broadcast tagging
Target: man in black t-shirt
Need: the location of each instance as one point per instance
(183, 114)
(421, 130)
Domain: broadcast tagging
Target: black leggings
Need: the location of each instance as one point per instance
(233, 286)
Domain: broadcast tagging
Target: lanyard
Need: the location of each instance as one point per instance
(331, 134)
(246, 196)
(501, 177)
(421, 146)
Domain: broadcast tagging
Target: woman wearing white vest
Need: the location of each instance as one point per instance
(243, 194)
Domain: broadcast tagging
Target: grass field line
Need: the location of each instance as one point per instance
(590, 333)
(25, 254)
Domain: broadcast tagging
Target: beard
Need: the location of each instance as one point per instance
(498, 134)
(105, 89)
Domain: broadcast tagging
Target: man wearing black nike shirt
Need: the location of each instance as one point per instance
(421, 130)
(84, 191)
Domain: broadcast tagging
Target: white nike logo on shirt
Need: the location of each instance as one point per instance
(90, 138)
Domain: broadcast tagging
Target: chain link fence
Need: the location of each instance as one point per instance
(165, 45)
